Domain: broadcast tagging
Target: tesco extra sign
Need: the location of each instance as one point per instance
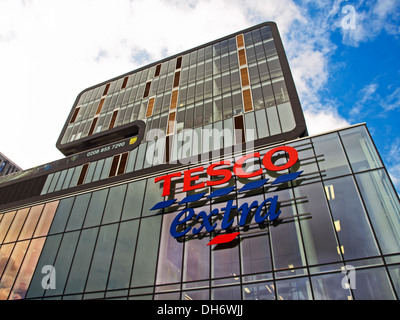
(220, 176)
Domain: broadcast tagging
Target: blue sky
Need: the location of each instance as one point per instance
(344, 57)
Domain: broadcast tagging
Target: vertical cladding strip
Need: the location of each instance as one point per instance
(244, 74)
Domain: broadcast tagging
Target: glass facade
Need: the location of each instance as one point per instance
(137, 215)
(337, 237)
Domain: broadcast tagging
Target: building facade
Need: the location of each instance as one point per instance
(7, 166)
(193, 178)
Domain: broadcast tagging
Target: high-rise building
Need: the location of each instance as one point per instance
(194, 178)
(7, 166)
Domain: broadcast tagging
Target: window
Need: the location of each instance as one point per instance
(124, 82)
(157, 71)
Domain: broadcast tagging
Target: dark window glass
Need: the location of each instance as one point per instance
(329, 287)
(96, 208)
(100, 266)
(383, 208)
(62, 215)
(78, 212)
(47, 257)
(123, 256)
(352, 226)
(147, 250)
(83, 256)
(318, 232)
(259, 291)
(293, 289)
(114, 204)
(367, 282)
(63, 262)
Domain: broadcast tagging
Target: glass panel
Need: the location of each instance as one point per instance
(197, 260)
(259, 291)
(83, 257)
(61, 216)
(256, 255)
(293, 289)
(121, 268)
(147, 251)
(28, 267)
(46, 258)
(30, 223)
(373, 284)
(226, 293)
(63, 262)
(133, 200)
(395, 275)
(329, 287)
(352, 227)
(5, 224)
(100, 266)
(383, 208)
(170, 255)
(5, 252)
(286, 116)
(153, 195)
(360, 149)
(78, 212)
(46, 219)
(333, 159)
(96, 208)
(317, 229)
(285, 237)
(16, 226)
(12, 268)
(114, 204)
(196, 295)
(262, 125)
(225, 261)
(273, 121)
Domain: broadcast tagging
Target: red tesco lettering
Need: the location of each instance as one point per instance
(191, 180)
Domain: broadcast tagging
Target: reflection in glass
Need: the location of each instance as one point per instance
(63, 261)
(350, 219)
(46, 219)
(259, 291)
(383, 208)
(226, 293)
(146, 253)
(30, 223)
(5, 224)
(170, 255)
(83, 256)
(293, 289)
(333, 160)
(360, 149)
(329, 287)
(285, 236)
(196, 260)
(101, 262)
(123, 256)
(367, 282)
(16, 226)
(27, 269)
(256, 256)
(317, 229)
(12, 268)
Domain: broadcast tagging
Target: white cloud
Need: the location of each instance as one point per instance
(379, 16)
